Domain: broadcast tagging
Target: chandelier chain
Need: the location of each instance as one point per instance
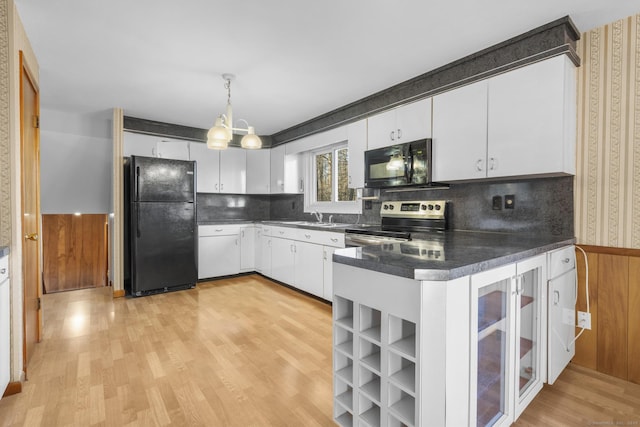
(227, 86)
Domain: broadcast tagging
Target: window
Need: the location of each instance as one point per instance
(329, 182)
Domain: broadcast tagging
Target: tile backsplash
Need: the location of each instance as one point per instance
(542, 205)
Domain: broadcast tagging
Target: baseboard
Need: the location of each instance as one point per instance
(118, 293)
(13, 388)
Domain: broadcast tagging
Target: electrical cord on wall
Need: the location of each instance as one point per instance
(586, 287)
(586, 265)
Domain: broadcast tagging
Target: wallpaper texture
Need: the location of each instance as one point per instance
(607, 194)
(5, 157)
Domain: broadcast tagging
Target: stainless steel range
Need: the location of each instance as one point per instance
(399, 221)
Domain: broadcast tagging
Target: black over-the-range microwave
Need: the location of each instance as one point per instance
(400, 165)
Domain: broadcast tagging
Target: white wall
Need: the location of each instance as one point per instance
(75, 162)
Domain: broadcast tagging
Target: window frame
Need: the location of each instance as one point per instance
(311, 203)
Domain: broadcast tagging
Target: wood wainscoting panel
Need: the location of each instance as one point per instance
(74, 251)
(613, 298)
(634, 320)
(587, 344)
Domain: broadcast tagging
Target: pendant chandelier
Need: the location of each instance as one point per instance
(221, 133)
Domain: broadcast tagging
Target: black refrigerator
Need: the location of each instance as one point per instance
(160, 229)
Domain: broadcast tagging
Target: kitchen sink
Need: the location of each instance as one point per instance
(315, 223)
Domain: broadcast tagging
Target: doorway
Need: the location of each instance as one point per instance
(74, 251)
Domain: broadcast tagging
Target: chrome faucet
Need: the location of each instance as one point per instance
(330, 219)
(318, 215)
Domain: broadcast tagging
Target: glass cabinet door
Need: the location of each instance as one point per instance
(492, 318)
(529, 343)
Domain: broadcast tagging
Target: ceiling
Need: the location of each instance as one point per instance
(293, 60)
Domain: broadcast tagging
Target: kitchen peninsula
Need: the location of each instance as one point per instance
(451, 328)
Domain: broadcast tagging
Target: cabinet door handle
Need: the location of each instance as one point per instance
(493, 164)
(301, 185)
(392, 135)
(236, 242)
(334, 239)
(242, 234)
(281, 232)
(216, 186)
(566, 260)
(308, 236)
(479, 165)
(399, 133)
(324, 253)
(219, 229)
(556, 297)
(349, 180)
(3, 270)
(221, 186)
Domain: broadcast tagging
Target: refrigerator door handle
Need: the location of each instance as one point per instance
(137, 184)
(138, 233)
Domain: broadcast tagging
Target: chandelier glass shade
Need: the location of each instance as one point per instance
(221, 133)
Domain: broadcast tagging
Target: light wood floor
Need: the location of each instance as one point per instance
(235, 352)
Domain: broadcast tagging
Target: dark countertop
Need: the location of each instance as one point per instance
(448, 255)
(4, 251)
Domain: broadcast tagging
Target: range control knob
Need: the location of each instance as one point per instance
(423, 207)
(430, 207)
(438, 207)
(391, 207)
(385, 207)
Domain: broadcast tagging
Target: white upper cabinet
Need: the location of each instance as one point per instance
(532, 119)
(402, 124)
(357, 137)
(286, 171)
(219, 171)
(172, 149)
(519, 123)
(460, 133)
(233, 171)
(137, 144)
(258, 171)
(207, 167)
(277, 169)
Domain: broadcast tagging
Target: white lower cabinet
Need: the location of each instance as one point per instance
(248, 248)
(302, 258)
(309, 268)
(265, 251)
(471, 351)
(327, 262)
(218, 251)
(282, 260)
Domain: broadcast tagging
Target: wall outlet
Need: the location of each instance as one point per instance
(509, 201)
(584, 320)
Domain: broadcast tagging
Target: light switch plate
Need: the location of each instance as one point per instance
(584, 320)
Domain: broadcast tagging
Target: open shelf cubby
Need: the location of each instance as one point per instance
(369, 412)
(343, 367)
(370, 354)
(402, 406)
(370, 384)
(370, 321)
(402, 336)
(343, 312)
(403, 373)
(344, 418)
(343, 340)
(394, 422)
(344, 394)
